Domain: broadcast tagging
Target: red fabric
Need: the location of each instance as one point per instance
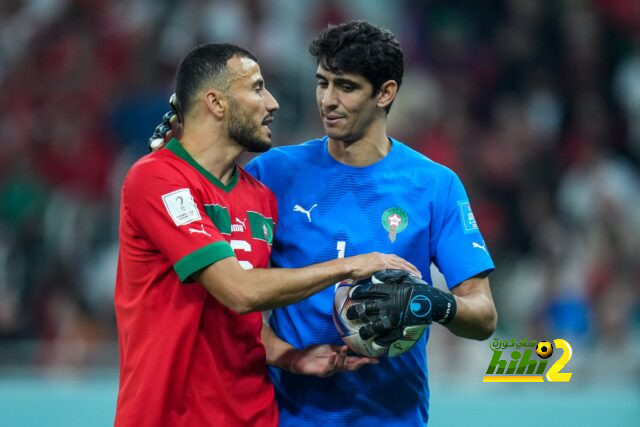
(185, 359)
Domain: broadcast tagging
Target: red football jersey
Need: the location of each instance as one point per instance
(186, 359)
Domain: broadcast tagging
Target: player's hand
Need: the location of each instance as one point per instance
(168, 128)
(363, 266)
(323, 360)
(392, 300)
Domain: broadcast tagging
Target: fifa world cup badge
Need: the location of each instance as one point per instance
(394, 220)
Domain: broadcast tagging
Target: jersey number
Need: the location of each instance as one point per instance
(341, 247)
(242, 245)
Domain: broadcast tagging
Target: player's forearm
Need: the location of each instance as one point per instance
(263, 289)
(279, 352)
(476, 316)
(271, 288)
(475, 320)
(275, 287)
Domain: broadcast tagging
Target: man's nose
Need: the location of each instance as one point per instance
(328, 97)
(271, 104)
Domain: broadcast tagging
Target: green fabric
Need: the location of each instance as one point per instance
(177, 149)
(261, 227)
(202, 258)
(220, 217)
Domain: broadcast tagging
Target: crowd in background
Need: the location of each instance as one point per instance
(534, 103)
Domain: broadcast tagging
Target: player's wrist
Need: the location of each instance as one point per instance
(287, 360)
(433, 305)
(456, 310)
(345, 269)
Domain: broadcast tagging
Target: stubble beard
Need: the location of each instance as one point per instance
(246, 132)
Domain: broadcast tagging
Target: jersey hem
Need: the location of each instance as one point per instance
(468, 275)
(201, 258)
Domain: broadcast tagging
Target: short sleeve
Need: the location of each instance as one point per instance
(457, 247)
(166, 210)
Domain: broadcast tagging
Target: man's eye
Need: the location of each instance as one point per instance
(347, 88)
(322, 84)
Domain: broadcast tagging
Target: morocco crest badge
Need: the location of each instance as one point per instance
(394, 220)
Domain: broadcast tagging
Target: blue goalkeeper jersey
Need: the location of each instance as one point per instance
(404, 204)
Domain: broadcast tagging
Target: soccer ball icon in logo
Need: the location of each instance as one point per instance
(544, 349)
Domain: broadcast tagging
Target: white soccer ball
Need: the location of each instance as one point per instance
(348, 329)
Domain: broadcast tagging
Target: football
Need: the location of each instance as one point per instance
(348, 329)
(544, 349)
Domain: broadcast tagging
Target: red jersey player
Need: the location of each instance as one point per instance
(195, 240)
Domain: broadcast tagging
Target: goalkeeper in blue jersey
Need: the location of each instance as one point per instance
(353, 191)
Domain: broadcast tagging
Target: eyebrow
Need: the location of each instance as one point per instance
(258, 83)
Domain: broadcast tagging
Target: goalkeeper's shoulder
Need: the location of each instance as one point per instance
(303, 152)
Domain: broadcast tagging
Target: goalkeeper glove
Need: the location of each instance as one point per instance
(393, 300)
(157, 140)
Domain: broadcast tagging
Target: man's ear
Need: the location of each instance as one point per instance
(387, 93)
(216, 102)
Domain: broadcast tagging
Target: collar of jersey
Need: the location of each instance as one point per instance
(176, 148)
(382, 163)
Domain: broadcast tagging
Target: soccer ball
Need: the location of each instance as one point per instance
(544, 349)
(348, 329)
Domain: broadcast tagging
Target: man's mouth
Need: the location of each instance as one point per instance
(332, 118)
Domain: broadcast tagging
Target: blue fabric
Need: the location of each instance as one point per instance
(325, 208)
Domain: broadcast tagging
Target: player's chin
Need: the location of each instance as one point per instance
(334, 133)
(260, 145)
(265, 141)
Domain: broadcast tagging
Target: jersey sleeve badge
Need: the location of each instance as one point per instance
(468, 220)
(181, 207)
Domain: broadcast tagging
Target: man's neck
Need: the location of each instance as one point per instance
(216, 155)
(365, 151)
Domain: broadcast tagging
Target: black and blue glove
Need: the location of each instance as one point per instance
(158, 139)
(390, 301)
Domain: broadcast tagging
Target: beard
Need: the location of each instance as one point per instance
(247, 133)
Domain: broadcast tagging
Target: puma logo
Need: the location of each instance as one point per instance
(200, 231)
(477, 245)
(240, 226)
(298, 208)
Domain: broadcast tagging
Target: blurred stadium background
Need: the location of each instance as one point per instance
(534, 103)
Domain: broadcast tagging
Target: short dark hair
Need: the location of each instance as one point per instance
(203, 65)
(362, 48)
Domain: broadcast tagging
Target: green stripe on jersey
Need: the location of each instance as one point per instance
(177, 149)
(220, 217)
(261, 227)
(202, 258)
